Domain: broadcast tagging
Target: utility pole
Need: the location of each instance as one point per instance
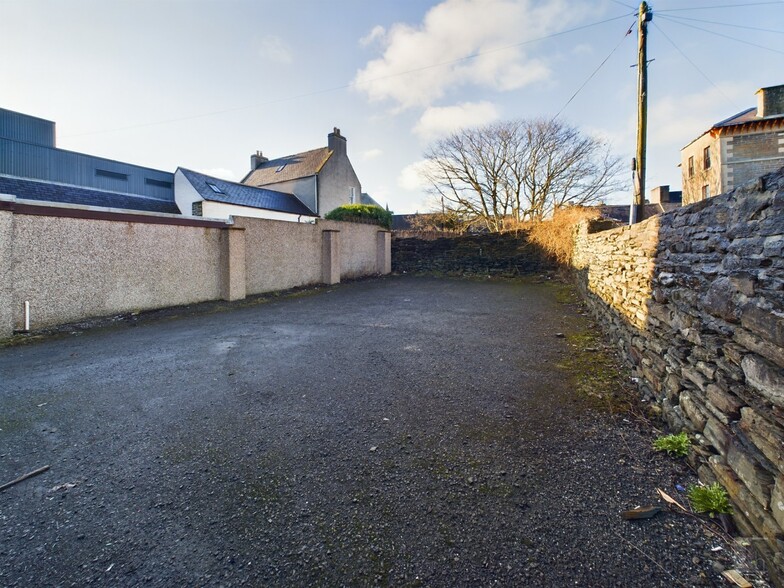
(638, 205)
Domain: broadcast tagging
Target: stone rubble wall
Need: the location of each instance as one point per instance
(484, 254)
(695, 301)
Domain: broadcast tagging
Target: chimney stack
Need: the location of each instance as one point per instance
(770, 101)
(336, 142)
(256, 160)
(660, 195)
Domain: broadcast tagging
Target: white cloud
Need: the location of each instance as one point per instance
(220, 172)
(275, 49)
(377, 33)
(371, 154)
(454, 30)
(677, 119)
(410, 177)
(438, 121)
(582, 49)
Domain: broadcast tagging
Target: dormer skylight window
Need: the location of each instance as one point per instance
(215, 188)
(280, 168)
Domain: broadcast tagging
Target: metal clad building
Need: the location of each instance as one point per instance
(27, 150)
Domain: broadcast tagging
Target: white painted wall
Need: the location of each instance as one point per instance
(224, 211)
(184, 194)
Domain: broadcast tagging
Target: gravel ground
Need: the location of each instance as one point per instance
(405, 431)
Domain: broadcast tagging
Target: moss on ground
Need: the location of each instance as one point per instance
(595, 372)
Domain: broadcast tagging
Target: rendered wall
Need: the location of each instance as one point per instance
(357, 258)
(695, 301)
(280, 255)
(693, 185)
(336, 179)
(70, 269)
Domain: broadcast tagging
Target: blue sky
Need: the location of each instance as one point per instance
(203, 84)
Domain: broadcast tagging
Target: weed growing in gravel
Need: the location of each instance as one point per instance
(711, 499)
(677, 445)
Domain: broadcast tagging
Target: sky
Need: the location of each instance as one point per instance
(203, 84)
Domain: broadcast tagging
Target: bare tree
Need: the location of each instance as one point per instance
(519, 170)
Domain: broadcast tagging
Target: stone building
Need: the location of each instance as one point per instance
(322, 178)
(736, 150)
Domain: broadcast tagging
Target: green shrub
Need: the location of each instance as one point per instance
(711, 499)
(673, 444)
(364, 212)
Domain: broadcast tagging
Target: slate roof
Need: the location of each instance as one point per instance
(747, 115)
(365, 198)
(63, 193)
(243, 195)
(291, 167)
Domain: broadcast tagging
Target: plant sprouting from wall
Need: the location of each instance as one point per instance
(712, 499)
(677, 445)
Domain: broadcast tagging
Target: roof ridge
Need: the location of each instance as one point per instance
(734, 116)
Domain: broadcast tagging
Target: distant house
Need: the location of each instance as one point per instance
(198, 194)
(322, 179)
(736, 150)
(661, 199)
(365, 198)
(33, 168)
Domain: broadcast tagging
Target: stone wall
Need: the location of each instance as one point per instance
(72, 263)
(695, 301)
(507, 254)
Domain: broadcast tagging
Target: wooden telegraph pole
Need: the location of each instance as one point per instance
(638, 206)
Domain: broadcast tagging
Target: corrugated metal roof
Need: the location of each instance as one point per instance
(244, 195)
(51, 192)
(291, 167)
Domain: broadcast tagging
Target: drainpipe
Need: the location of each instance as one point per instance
(315, 190)
(27, 316)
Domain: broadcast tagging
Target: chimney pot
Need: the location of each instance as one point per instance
(256, 160)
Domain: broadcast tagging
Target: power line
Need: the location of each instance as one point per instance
(722, 6)
(720, 34)
(694, 65)
(351, 84)
(595, 71)
(725, 24)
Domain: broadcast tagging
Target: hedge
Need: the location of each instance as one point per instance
(361, 212)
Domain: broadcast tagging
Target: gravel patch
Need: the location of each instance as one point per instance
(406, 431)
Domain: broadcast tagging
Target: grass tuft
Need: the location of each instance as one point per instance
(712, 499)
(677, 445)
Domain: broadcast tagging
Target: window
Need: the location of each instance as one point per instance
(105, 173)
(706, 156)
(159, 183)
(691, 166)
(196, 209)
(705, 192)
(352, 195)
(215, 188)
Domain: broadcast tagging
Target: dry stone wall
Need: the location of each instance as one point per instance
(507, 254)
(695, 300)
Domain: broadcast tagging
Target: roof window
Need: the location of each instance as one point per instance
(280, 168)
(215, 188)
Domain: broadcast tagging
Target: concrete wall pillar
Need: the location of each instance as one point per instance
(384, 252)
(6, 280)
(330, 257)
(232, 264)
